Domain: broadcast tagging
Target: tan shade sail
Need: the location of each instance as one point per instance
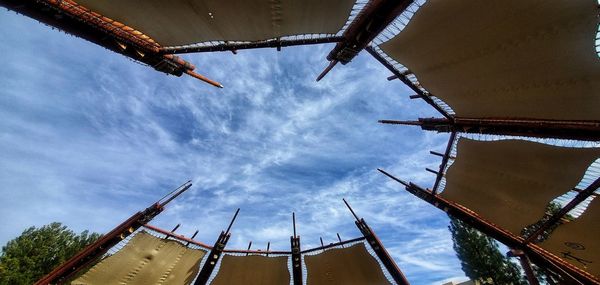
(510, 182)
(253, 269)
(181, 22)
(350, 265)
(146, 260)
(506, 58)
(578, 242)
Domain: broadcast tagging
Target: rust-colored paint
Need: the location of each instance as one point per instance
(538, 255)
(180, 61)
(203, 78)
(541, 128)
(108, 25)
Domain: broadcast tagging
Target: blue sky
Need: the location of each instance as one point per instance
(88, 137)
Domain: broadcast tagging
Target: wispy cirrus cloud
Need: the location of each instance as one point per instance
(88, 137)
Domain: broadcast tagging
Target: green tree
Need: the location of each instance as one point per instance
(39, 250)
(551, 209)
(480, 256)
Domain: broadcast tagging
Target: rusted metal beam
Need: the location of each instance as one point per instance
(95, 250)
(399, 122)
(115, 29)
(215, 253)
(203, 78)
(273, 43)
(408, 83)
(580, 197)
(77, 20)
(257, 251)
(327, 69)
(247, 251)
(525, 264)
(571, 130)
(539, 256)
(378, 248)
(370, 22)
(54, 14)
(178, 236)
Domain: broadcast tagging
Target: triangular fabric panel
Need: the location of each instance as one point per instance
(146, 259)
(510, 182)
(578, 242)
(506, 58)
(182, 22)
(253, 270)
(350, 265)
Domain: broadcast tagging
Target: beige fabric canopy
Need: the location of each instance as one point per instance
(506, 58)
(578, 242)
(511, 182)
(253, 269)
(146, 260)
(181, 22)
(350, 265)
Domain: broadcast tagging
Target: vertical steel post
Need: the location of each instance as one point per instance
(215, 254)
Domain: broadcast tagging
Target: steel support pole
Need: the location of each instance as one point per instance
(379, 249)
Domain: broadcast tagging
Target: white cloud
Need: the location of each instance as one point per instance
(88, 138)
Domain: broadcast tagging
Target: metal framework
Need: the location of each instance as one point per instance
(215, 254)
(102, 245)
(581, 196)
(85, 258)
(182, 238)
(402, 77)
(191, 240)
(539, 256)
(379, 249)
(525, 264)
(371, 21)
(571, 130)
(235, 46)
(79, 21)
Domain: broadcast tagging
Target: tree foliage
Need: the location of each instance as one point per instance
(37, 251)
(480, 256)
(551, 209)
